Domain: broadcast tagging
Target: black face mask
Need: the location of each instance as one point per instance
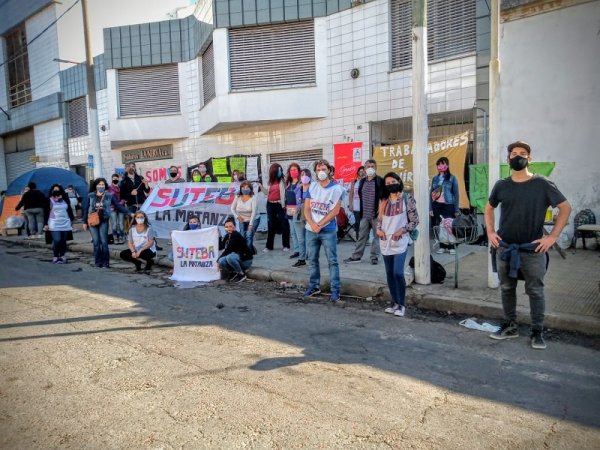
(518, 163)
(115, 181)
(173, 174)
(393, 188)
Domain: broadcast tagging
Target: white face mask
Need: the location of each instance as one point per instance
(139, 220)
(322, 175)
(370, 172)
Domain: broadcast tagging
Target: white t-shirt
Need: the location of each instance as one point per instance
(322, 200)
(245, 209)
(140, 239)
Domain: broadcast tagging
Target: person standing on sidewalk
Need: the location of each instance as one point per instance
(354, 199)
(174, 176)
(59, 219)
(33, 203)
(292, 183)
(300, 223)
(117, 218)
(443, 198)
(370, 191)
(520, 242)
(277, 222)
(323, 202)
(243, 209)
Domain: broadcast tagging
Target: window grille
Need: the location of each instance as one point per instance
(147, 91)
(272, 56)
(78, 121)
(208, 74)
(17, 65)
(450, 30)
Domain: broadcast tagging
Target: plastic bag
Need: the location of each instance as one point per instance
(15, 222)
(472, 324)
(445, 231)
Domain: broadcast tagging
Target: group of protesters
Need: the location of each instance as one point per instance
(303, 209)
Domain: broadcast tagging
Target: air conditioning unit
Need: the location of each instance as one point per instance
(357, 2)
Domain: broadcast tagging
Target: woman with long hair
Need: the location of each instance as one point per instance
(58, 219)
(443, 198)
(300, 224)
(101, 201)
(354, 198)
(396, 219)
(292, 183)
(141, 242)
(243, 209)
(277, 222)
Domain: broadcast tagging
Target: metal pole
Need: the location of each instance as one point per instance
(494, 119)
(420, 132)
(91, 91)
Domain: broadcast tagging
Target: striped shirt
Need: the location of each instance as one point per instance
(368, 199)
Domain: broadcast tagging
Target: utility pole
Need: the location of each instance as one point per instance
(494, 120)
(92, 104)
(420, 132)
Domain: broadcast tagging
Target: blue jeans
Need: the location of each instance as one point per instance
(394, 271)
(100, 239)
(234, 263)
(533, 266)
(249, 234)
(117, 224)
(299, 236)
(294, 247)
(314, 241)
(59, 243)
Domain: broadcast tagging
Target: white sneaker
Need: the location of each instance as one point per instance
(441, 251)
(266, 250)
(452, 251)
(391, 309)
(400, 311)
(286, 249)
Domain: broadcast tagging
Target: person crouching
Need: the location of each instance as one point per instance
(141, 242)
(236, 256)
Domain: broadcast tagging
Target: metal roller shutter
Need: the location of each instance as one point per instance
(146, 91)
(272, 56)
(208, 74)
(450, 30)
(18, 163)
(78, 121)
(304, 158)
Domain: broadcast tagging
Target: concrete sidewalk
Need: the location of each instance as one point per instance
(572, 284)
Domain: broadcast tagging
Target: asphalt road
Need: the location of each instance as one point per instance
(96, 358)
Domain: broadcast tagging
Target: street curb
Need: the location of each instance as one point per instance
(359, 288)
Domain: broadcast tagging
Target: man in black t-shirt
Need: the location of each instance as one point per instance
(520, 242)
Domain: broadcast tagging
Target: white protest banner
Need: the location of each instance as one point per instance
(195, 255)
(169, 205)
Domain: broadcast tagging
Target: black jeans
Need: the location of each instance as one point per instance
(146, 255)
(444, 210)
(277, 222)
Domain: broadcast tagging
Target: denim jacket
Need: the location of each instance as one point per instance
(107, 202)
(450, 188)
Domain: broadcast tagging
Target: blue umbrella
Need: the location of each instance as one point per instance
(44, 177)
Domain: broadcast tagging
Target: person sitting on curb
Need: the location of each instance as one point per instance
(141, 242)
(236, 256)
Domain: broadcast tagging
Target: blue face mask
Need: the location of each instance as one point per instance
(246, 191)
(100, 188)
(193, 226)
(280, 173)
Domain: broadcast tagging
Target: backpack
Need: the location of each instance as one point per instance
(465, 226)
(438, 273)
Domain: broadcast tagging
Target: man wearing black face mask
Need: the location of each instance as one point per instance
(520, 243)
(174, 176)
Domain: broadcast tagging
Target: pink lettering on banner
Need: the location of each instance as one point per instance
(174, 197)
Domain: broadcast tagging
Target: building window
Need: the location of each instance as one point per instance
(450, 30)
(208, 75)
(78, 121)
(18, 67)
(148, 91)
(272, 56)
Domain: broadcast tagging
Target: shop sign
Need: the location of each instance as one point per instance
(147, 154)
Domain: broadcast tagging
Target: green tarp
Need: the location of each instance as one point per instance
(478, 179)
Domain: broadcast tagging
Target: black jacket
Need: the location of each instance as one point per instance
(379, 187)
(235, 243)
(127, 186)
(34, 198)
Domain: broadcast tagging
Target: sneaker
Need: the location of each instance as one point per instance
(352, 260)
(294, 255)
(286, 249)
(441, 251)
(60, 261)
(537, 340)
(233, 278)
(452, 251)
(335, 296)
(374, 261)
(63, 259)
(138, 267)
(241, 277)
(400, 311)
(311, 292)
(266, 250)
(391, 309)
(508, 330)
(299, 263)
(54, 260)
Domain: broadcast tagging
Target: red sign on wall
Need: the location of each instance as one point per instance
(347, 158)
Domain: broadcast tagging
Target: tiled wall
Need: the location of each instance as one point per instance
(50, 145)
(43, 70)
